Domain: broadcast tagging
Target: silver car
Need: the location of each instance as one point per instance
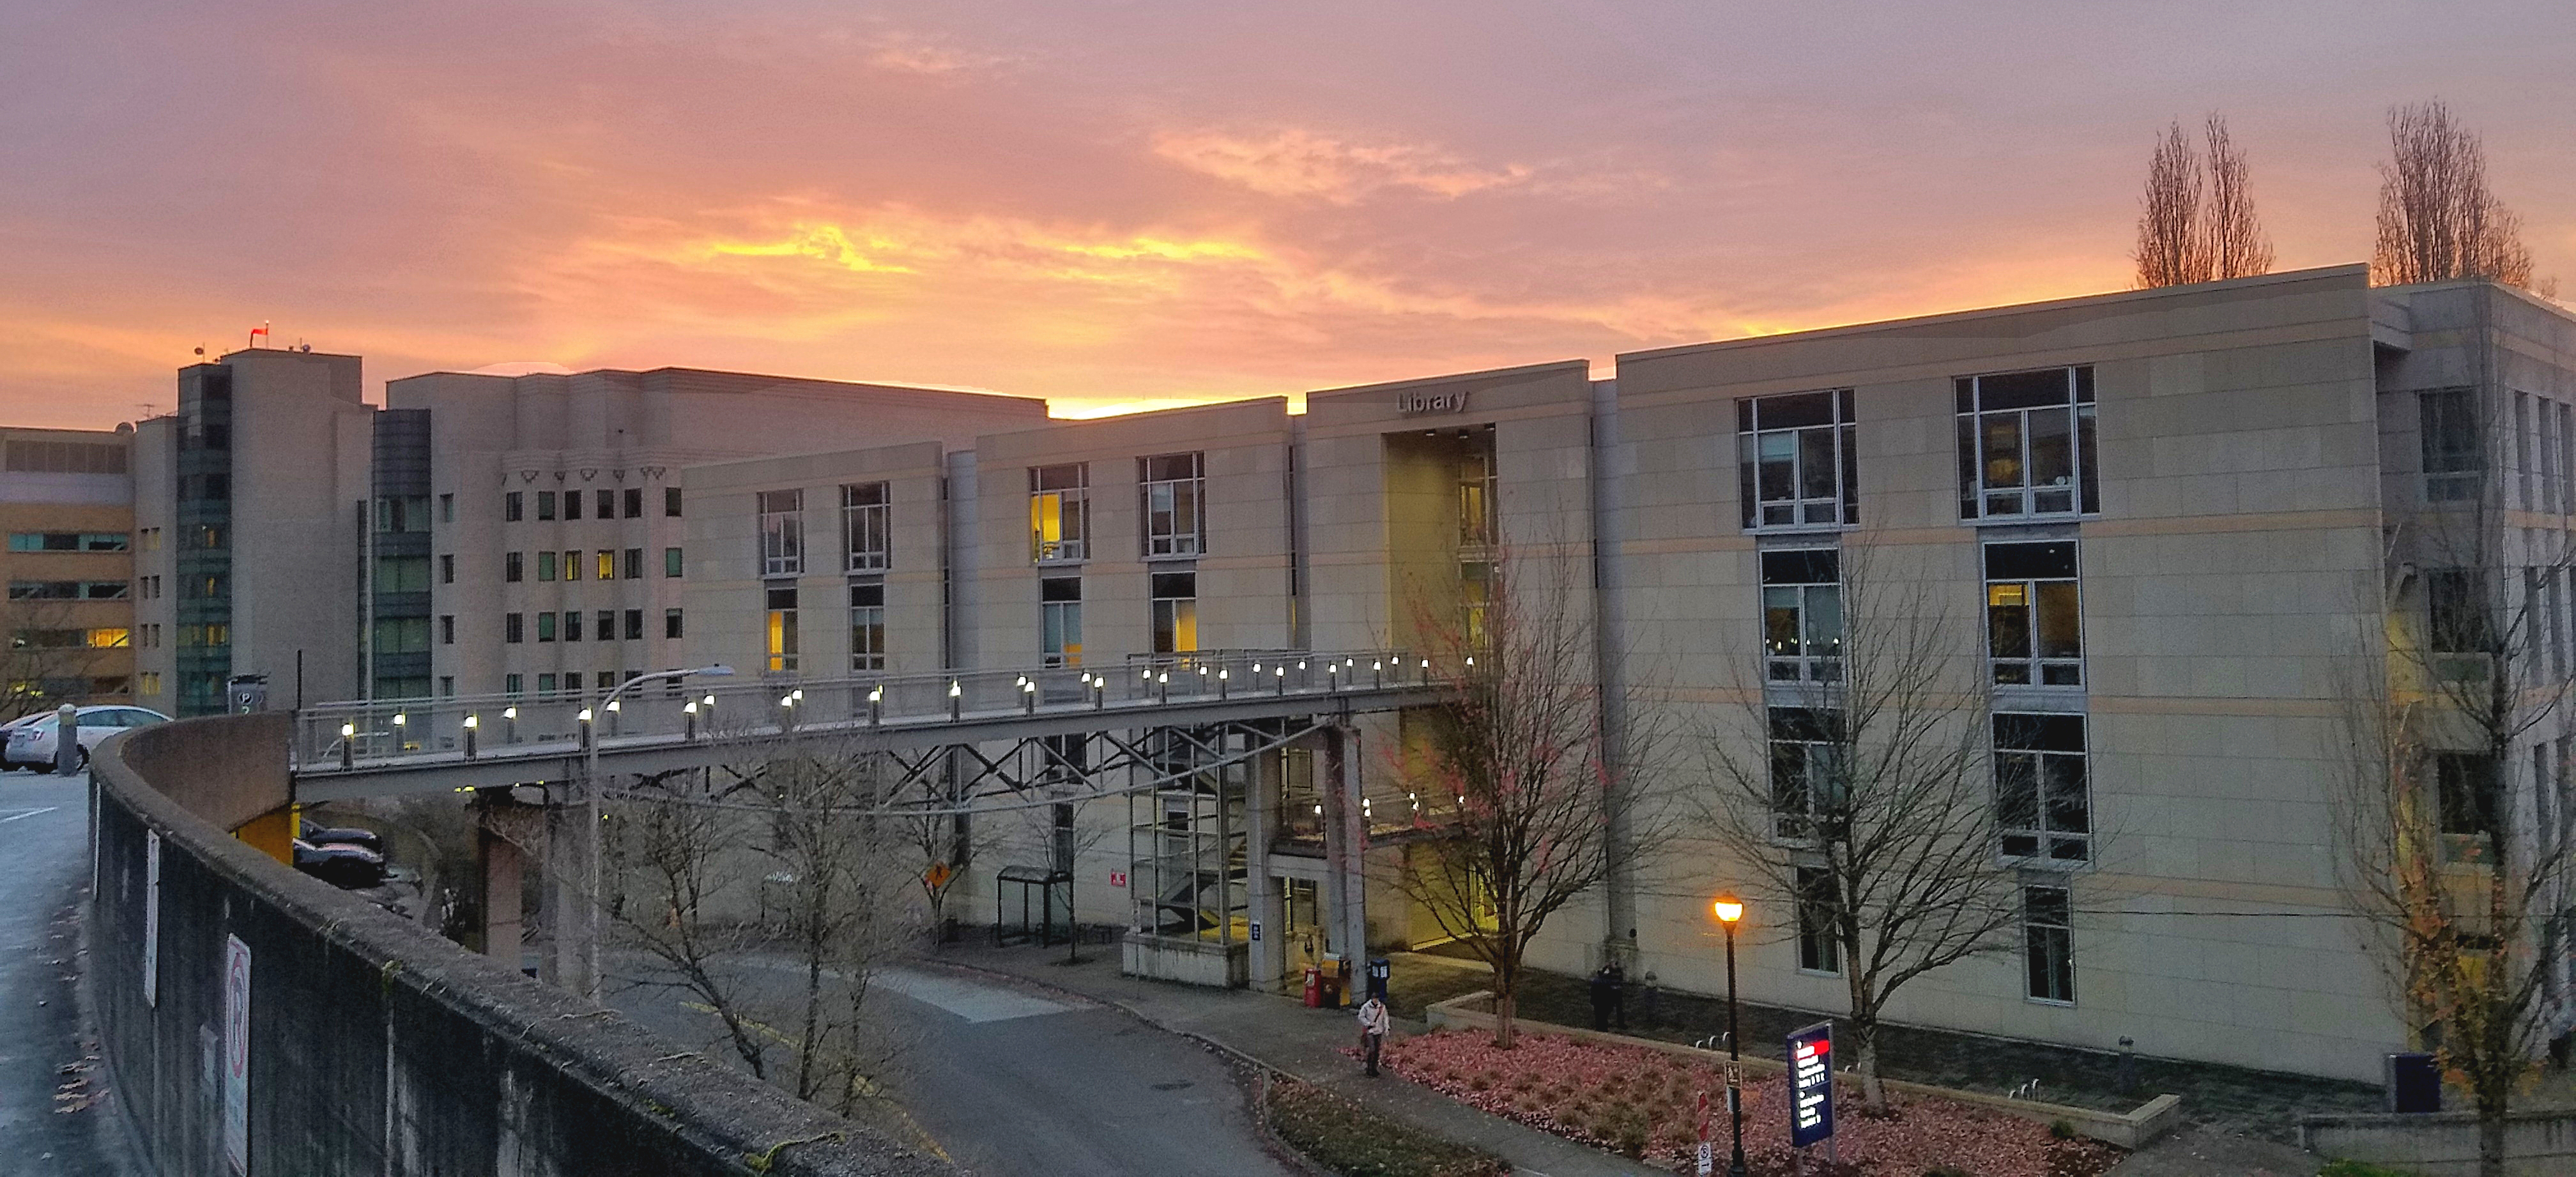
(32, 741)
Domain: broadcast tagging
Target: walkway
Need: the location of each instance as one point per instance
(55, 1117)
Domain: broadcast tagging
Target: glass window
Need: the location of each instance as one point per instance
(395, 513)
(605, 564)
(1796, 465)
(1808, 784)
(402, 635)
(545, 627)
(2454, 454)
(605, 625)
(512, 684)
(634, 563)
(1059, 512)
(867, 627)
(782, 532)
(447, 569)
(607, 505)
(671, 624)
(545, 566)
(1819, 951)
(2042, 795)
(447, 629)
(671, 502)
(512, 569)
(513, 627)
(545, 504)
(781, 603)
(2048, 931)
(634, 625)
(545, 684)
(512, 506)
(634, 502)
(2026, 444)
(572, 565)
(2456, 607)
(402, 574)
(572, 625)
(1176, 612)
(1060, 619)
(2034, 619)
(671, 562)
(1172, 487)
(572, 504)
(1802, 615)
(866, 527)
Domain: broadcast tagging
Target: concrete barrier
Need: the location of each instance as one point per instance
(2537, 1142)
(2129, 1130)
(253, 1020)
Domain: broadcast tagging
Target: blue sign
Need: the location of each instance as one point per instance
(1811, 1085)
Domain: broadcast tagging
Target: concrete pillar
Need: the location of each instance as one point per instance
(574, 946)
(1345, 845)
(502, 918)
(1261, 895)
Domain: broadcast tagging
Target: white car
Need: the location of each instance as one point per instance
(31, 742)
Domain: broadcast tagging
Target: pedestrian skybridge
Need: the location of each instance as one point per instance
(986, 737)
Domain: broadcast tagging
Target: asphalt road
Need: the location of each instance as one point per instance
(44, 866)
(1006, 1078)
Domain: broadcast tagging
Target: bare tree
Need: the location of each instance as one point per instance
(49, 657)
(1550, 802)
(2463, 878)
(1862, 798)
(2438, 221)
(2196, 221)
(680, 897)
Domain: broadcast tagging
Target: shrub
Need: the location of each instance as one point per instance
(1351, 1140)
(2061, 1130)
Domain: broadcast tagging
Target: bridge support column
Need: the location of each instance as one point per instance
(569, 911)
(1346, 846)
(504, 829)
(1260, 896)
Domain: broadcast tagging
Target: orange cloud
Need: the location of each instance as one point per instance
(1295, 162)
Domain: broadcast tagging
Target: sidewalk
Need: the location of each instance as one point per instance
(1302, 1042)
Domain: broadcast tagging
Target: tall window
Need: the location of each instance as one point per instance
(572, 565)
(671, 624)
(2026, 444)
(513, 627)
(513, 570)
(513, 506)
(1480, 521)
(867, 627)
(2048, 939)
(867, 534)
(604, 563)
(671, 562)
(671, 502)
(1173, 488)
(2456, 607)
(604, 624)
(572, 625)
(1795, 462)
(2526, 463)
(782, 532)
(2034, 625)
(396, 513)
(634, 563)
(634, 496)
(2454, 454)
(1807, 781)
(1060, 619)
(1818, 950)
(572, 504)
(1059, 512)
(2042, 795)
(1176, 612)
(545, 504)
(545, 627)
(607, 505)
(781, 601)
(1802, 615)
(634, 625)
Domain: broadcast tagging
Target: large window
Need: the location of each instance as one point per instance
(2455, 603)
(2034, 625)
(2043, 796)
(1173, 487)
(781, 602)
(867, 626)
(1176, 612)
(1060, 619)
(867, 535)
(396, 513)
(2455, 456)
(782, 532)
(1059, 512)
(69, 541)
(1795, 462)
(2048, 942)
(1818, 949)
(2026, 444)
(1807, 781)
(1802, 615)
(2471, 796)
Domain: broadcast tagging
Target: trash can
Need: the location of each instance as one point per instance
(1314, 986)
(1379, 969)
(2414, 1083)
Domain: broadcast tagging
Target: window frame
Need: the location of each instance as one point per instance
(1173, 614)
(1974, 421)
(2048, 942)
(1788, 592)
(1819, 947)
(2046, 841)
(778, 628)
(1060, 495)
(1797, 802)
(2036, 668)
(867, 627)
(1840, 504)
(867, 526)
(782, 531)
(1060, 620)
(2450, 444)
(1176, 525)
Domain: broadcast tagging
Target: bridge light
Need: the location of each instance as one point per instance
(689, 708)
(1163, 679)
(614, 704)
(876, 694)
(347, 730)
(710, 701)
(1224, 673)
(509, 713)
(584, 716)
(798, 694)
(473, 721)
(787, 700)
(954, 690)
(399, 717)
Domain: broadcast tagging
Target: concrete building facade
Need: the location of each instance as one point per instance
(67, 505)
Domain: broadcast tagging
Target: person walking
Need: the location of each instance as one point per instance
(1373, 1024)
(1605, 994)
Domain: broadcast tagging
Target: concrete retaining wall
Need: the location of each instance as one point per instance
(374, 1047)
(2445, 1143)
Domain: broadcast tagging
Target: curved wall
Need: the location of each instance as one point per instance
(371, 1046)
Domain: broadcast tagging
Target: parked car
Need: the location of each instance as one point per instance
(32, 743)
(322, 835)
(350, 868)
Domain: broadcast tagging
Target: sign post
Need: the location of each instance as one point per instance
(1707, 1152)
(236, 1065)
(1811, 1085)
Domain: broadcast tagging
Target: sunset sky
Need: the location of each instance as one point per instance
(1125, 203)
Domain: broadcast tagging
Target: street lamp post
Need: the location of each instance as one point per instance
(587, 982)
(1729, 909)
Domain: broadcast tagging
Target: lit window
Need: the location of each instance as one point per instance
(1060, 619)
(1059, 512)
(606, 564)
(1802, 615)
(2026, 444)
(1176, 612)
(2034, 619)
(1796, 465)
(781, 602)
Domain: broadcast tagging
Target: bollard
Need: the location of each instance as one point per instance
(956, 700)
(471, 722)
(876, 706)
(348, 744)
(509, 725)
(689, 717)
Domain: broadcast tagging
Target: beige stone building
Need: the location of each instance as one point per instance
(67, 505)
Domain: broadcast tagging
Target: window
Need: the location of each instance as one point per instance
(2525, 462)
(572, 504)
(671, 502)
(401, 513)
(605, 626)
(1807, 781)
(545, 566)
(447, 569)
(545, 504)
(634, 502)
(513, 627)
(447, 508)
(402, 574)
(2565, 468)
(572, 625)
(402, 635)
(781, 600)
(149, 682)
(67, 590)
(671, 624)
(2454, 454)
(545, 684)
(447, 629)
(634, 625)
(782, 532)
(2042, 797)
(2456, 609)
(545, 627)
(671, 562)
(2471, 801)
(1795, 462)
(607, 505)
(866, 537)
(1802, 615)
(1060, 619)
(66, 457)
(71, 541)
(1480, 523)
(513, 684)
(1059, 512)
(572, 565)
(606, 564)
(512, 507)
(447, 685)
(1819, 951)
(1176, 612)
(2048, 937)
(867, 627)
(2026, 444)
(2034, 625)
(634, 563)
(1173, 487)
